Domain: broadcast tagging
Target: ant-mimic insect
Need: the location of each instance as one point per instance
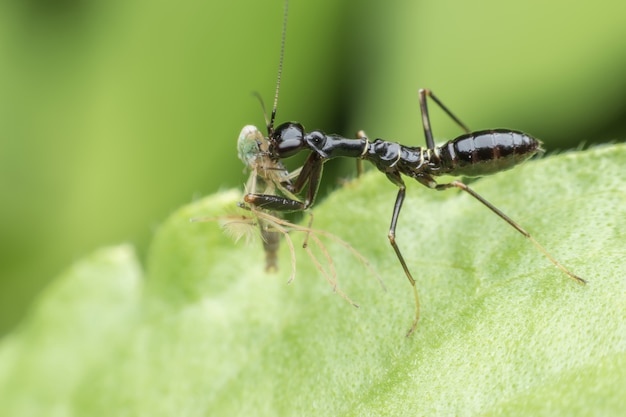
(472, 154)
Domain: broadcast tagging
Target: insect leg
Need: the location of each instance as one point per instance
(462, 186)
(273, 202)
(311, 173)
(395, 178)
(428, 133)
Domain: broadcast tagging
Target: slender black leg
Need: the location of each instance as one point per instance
(392, 239)
(311, 173)
(428, 133)
(462, 186)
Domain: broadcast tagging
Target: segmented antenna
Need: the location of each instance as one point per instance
(270, 125)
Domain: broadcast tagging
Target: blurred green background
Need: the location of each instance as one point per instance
(113, 113)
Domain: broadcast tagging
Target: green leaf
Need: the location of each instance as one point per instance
(72, 330)
(209, 332)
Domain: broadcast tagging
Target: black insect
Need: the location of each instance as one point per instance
(471, 154)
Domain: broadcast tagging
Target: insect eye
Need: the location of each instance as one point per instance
(289, 139)
(316, 139)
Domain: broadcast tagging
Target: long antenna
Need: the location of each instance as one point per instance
(270, 125)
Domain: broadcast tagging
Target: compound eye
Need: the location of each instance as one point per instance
(288, 138)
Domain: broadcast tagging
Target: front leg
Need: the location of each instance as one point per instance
(311, 173)
(274, 203)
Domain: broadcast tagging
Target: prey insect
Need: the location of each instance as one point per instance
(267, 175)
(471, 154)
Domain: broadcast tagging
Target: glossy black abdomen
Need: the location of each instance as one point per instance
(486, 152)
